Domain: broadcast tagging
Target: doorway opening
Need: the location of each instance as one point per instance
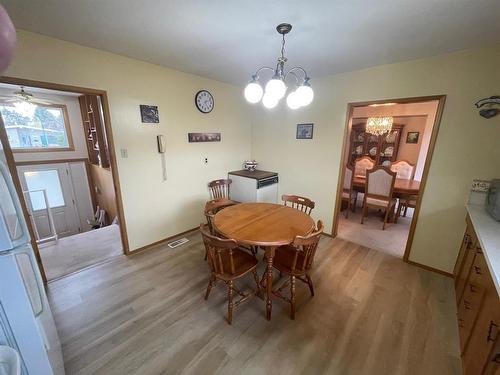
(383, 171)
(59, 143)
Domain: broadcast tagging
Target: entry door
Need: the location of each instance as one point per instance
(56, 181)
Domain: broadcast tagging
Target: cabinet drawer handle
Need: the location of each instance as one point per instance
(467, 305)
(479, 250)
(490, 331)
(477, 269)
(473, 288)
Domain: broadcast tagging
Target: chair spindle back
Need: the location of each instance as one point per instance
(300, 203)
(219, 188)
(220, 252)
(306, 246)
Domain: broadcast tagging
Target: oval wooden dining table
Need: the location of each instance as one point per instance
(265, 225)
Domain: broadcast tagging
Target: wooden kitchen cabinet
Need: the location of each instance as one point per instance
(478, 309)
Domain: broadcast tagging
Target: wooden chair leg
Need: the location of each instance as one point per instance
(406, 210)
(209, 287)
(206, 254)
(355, 203)
(386, 216)
(363, 213)
(257, 282)
(230, 304)
(292, 299)
(310, 283)
(347, 208)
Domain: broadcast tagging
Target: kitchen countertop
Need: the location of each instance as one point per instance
(257, 174)
(488, 233)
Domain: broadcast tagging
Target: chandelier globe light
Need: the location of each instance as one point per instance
(300, 93)
(379, 125)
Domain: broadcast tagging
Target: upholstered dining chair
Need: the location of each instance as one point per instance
(405, 202)
(228, 263)
(361, 165)
(295, 261)
(378, 192)
(348, 194)
(300, 203)
(219, 189)
(403, 169)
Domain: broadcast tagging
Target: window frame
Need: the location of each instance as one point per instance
(67, 128)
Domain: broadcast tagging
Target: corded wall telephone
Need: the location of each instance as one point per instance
(161, 143)
(160, 140)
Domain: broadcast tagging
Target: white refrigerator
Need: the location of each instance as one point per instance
(26, 322)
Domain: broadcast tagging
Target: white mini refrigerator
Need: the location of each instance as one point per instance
(26, 322)
(254, 186)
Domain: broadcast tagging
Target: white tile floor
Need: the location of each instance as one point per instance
(391, 241)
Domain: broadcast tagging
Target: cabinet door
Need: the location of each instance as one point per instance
(493, 364)
(485, 332)
(467, 253)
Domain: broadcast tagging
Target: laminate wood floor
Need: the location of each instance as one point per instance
(145, 314)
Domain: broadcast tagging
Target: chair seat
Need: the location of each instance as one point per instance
(380, 202)
(243, 263)
(283, 259)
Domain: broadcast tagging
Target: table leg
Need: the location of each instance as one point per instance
(269, 281)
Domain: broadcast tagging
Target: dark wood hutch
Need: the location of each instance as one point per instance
(380, 148)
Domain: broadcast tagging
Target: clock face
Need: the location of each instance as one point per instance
(204, 101)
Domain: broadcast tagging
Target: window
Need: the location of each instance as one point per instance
(35, 127)
(48, 180)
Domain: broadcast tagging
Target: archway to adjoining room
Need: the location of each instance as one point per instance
(385, 219)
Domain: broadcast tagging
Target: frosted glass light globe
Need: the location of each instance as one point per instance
(269, 101)
(276, 88)
(305, 94)
(253, 92)
(292, 101)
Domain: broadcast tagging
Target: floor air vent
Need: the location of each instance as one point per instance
(179, 242)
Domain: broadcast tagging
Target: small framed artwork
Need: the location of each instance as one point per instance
(149, 114)
(204, 137)
(412, 137)
(305, 131)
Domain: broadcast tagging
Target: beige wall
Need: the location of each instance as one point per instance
(467, 145)
(75, 121)
(153, 209)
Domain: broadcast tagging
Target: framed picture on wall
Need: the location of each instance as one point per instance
(305, 131)
(203, 137)
(149, 114)
(412, 137)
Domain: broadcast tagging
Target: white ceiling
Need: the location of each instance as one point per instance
(228, 40)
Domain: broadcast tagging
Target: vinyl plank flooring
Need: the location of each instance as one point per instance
(145, 314)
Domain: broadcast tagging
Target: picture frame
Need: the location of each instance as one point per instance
(305, 131)
(149, 114)
(204, 137)
(412, 137)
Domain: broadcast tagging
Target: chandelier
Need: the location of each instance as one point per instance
(300, 95)
(379, 125)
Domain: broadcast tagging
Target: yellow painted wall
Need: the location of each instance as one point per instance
(153, 209)
(468, 146)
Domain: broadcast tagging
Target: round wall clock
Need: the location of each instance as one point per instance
(204, 101)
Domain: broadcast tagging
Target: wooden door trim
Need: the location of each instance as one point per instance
(9, 156)
(435, 128)
(109, 133)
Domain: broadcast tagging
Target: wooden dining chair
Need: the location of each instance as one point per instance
(295, 261)
(363, 164)
(219, 189)
(300, 203)
(348, 194)
(228, 263)
(404, 170)
(379, 189)
(405, 202)
(212, 207)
